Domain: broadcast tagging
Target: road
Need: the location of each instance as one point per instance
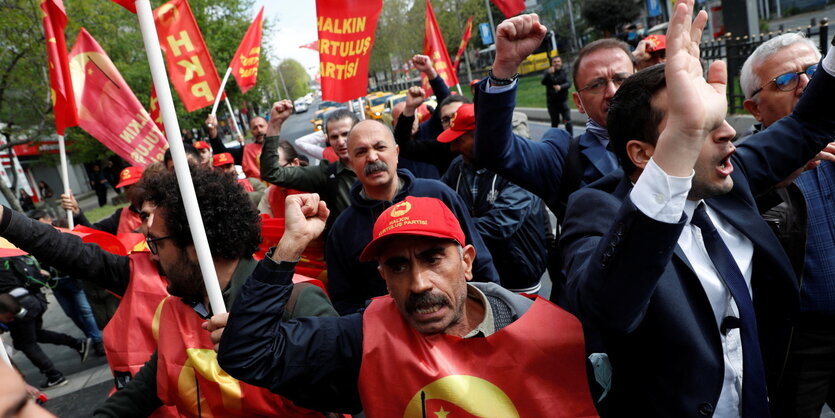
(802, 20)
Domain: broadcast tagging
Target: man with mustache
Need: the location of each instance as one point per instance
(183, 348)
(436, 343)
(373, 155)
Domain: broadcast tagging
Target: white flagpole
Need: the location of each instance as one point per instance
(458, 86)
(65, 178)
(234, 120)
(175, 142)
(220, 91)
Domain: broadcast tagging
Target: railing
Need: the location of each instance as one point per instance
(735, 50)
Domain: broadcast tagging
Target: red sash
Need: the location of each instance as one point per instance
(329, 154)
(187, 369)
(129, 221)
(130, 335)
(534, 367)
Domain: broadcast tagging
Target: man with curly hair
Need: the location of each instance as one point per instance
(184, 350)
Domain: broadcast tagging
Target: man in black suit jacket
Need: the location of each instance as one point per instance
(644, 276)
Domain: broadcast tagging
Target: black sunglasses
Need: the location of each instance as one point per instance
(152, 243)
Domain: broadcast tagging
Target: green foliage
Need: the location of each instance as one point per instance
(607, 15)
(295, 77)
(100, 213)
(24, 84)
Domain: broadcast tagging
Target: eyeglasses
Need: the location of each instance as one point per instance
(597, 85)
(788, 81)
(152, 243)
(446, 119)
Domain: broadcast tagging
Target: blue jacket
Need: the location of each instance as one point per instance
(510, 219)
(535, 166)
(352, 283)
(629, 279)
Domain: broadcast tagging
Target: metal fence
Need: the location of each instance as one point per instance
(735, 50)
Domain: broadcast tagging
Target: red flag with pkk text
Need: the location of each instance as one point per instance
(127, 4)
(468, 31)
(510, 8)
(190, 66)
(435, 48)
(346, 36)
(63, 103)
(244, 64)
(156, 116)
(108, 109)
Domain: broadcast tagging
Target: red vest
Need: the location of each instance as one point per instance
(329, 154)
(534, 367)
(246, 185)
(276, 196)
(129, 221)
(130, 336)
(187, 369)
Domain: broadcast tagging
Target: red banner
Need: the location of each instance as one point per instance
(468, 31)
(346, 36)
(156, 116)
(190, 66)
(108, 109)
(245, 61)
(127, 4)
(510, 8)
(435, 48)
(63, 104)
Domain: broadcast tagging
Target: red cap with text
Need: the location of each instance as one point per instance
(423, 216)
(463, 121)
(655, 43)
(129, 176)
(201, 145)
(222, 159)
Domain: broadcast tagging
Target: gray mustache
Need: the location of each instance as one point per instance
(375, 167)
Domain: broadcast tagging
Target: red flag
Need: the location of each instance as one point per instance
(346, 35)
(190, 66)
(245, 61)
(156, 116)
(107, 108)
(63, 104)
(510, 8)
(313, 45)
(127, 4)
(463, 46)
(434, 47)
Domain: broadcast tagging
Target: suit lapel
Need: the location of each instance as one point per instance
(596, 153)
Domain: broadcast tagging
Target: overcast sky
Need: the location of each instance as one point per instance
(296, 26)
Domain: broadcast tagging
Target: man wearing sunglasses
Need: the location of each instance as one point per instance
(803, 217)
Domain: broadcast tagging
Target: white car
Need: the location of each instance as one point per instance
(301, 106)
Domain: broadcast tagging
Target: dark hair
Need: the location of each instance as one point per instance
(290, 152)
(233, 227)
(190, 150)
(8, 304)
(37, 214)
(631, 115)
(338, 115)
(605, 43)
(454, 98)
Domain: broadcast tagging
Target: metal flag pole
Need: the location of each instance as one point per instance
(175, 142)
(65, 179)
(220, 91)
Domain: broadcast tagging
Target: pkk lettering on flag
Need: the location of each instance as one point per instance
(190, 65)
(107, 108)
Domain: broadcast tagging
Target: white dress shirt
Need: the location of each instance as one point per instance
(664, 198)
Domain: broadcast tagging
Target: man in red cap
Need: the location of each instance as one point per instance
(224, 162)
(510, 219)
(650, 51)
(443, 340)
(205, 151)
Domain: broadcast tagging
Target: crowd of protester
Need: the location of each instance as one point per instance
(690, 266)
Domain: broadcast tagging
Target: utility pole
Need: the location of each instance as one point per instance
(490, 18)
(281, 76)
(574, 41)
